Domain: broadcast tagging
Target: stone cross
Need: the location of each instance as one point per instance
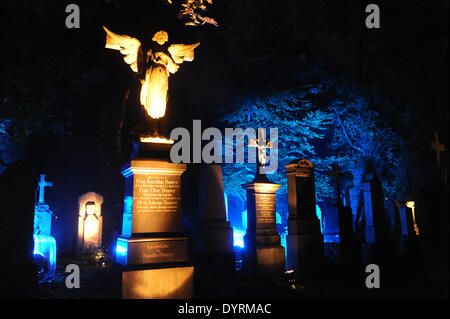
(435, 145)
(42, 184)
(262, 145)
(337, 175)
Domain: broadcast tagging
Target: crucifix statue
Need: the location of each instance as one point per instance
(153, 68)
(337, 175)
(435, 145)
(42, 184)
(261, 144)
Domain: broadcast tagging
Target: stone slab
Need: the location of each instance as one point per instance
(160, 283)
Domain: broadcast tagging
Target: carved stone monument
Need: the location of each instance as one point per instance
(152, 245)
(90, 221)
(304, 240)
(42, 212)
(264, 254)
(213, 235)
(375, 246)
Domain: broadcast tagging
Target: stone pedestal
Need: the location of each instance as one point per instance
(304, 240)
(264, 253)
(152, 247)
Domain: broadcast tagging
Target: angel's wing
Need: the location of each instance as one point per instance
(182, 52)
(130, 47)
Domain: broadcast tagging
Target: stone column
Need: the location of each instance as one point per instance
(264, 253)
(213, 236)
(152, 246)
(304, 240)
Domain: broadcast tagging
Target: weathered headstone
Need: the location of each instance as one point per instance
(17, 196)
(407, 224)
(304, 240)
(90, 221)
(44, 242)
(264, 253)
(376, 236)
(42, 213)
(213, 241)
(152, 246)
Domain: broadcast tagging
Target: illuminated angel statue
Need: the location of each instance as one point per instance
(154, 68)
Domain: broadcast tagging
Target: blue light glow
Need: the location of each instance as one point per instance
(331, 239)
(238, 237)
(319, 215)
(278, 218)
(121, 248)
(45, 246)
(127, 215)
(244, 219)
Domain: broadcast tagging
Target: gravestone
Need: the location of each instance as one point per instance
(393, 213)
(42, 212)
(152, 247)
(17, 197)
(213, 240)
(375, 246)
(304, 240)
(264, 253)
(44, 243)
(90, 221)
(407, 234)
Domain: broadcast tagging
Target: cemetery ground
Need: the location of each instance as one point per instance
(399, 280)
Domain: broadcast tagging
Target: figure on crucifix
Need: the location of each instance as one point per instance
(261, 144)
(153, 70)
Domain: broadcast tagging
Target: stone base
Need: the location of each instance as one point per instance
(333, 253)
(214, 237)
(304, 253)
(158, 283)
(271, 260)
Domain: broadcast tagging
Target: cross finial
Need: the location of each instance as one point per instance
(435, 145)
(261, 144)
(337, 175)
(42, 185)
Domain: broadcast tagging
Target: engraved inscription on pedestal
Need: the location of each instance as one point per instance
(265, 209)
(156, 194)
(162, 250)
(156, 202)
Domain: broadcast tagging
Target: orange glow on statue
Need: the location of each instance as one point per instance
(154, 68)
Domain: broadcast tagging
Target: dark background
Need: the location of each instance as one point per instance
(62, 90)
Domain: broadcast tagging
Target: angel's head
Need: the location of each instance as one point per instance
(160, 37)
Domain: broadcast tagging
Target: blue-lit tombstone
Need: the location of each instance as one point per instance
(337, 225)
(44, 244)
